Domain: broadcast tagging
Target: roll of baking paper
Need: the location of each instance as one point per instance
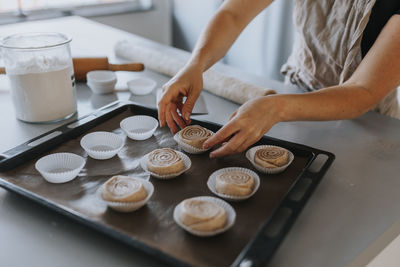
(215, 82)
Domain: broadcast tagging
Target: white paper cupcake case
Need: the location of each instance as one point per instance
(211, 182)
(188, 148)
(131, 124)
(60, 167)
(230, 217)
(126, 206)
(186, 160)
(107, 139)
(250, 156)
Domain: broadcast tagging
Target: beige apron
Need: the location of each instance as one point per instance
(327, 47)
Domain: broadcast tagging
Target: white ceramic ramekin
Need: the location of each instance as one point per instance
(101, 81)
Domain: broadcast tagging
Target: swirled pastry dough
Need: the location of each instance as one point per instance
(234, 183)
(271, 157)
(202, 215)
(194, 135)
(123, 189)
(164, 161)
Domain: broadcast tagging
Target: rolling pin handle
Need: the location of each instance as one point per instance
(126, 67)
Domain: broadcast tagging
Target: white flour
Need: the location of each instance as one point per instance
(42, 92)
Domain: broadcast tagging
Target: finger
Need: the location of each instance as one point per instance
(270, 92)
(165, 87)
(231, 147)
(161, 113)
(178, 119)
(187, 121)
(167, 95)
(162, 104)
(250, 140)
(220, 136)
(226, 139)
(170, 121)
(189, 105)
(179, 105)
(246, 145)
(233, 115)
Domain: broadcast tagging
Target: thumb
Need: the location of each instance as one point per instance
(188, 106)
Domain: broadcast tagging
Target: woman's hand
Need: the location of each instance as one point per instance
(186, 83)
(246, 126)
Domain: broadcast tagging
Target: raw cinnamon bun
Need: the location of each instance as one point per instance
(164, 161)
(271, 157)
(194, 135)
(234, 183)
(202, 215)
(123, 189)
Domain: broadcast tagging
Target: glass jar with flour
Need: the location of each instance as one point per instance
(39, 67)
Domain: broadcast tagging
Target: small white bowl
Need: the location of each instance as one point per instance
(102, 145)
(101, 81)
(60, 167)
(140, 127)
(130, 206)
(141, 86)
(230, 217)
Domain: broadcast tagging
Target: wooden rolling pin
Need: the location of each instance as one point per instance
(84, 65)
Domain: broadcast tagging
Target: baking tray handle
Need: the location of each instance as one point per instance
(260, 250)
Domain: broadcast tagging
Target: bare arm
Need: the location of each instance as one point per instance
(375, 77)
(223, 29)
(213, 43)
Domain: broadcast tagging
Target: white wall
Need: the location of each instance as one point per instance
(261, 49)
(154, 24)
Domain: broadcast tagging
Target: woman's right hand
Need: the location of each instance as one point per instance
(186, 83)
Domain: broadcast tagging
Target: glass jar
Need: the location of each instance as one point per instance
(39, 67)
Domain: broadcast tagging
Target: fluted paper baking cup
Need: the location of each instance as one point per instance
(188, 148)
(211, 183)
(186, 160)
(102, 145)
(60, 167)
(139, 127)
(250, 156)
(128, 206)
(230, 217)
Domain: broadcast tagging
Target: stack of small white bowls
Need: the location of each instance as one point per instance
(101, 81)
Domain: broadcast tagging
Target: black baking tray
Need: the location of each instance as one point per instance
(262, 221)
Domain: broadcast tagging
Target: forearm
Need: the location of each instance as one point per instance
(375, 77)
(223, 29)
(333, 103)
(215, 40)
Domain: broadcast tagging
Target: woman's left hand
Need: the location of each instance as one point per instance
(246, 126)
